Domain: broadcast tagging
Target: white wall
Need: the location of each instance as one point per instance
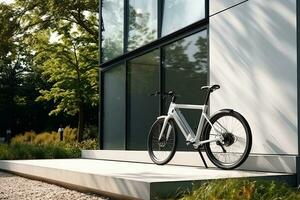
(253, 56)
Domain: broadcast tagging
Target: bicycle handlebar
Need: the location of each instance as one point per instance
(170, 93)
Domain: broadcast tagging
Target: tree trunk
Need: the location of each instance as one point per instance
(80, 122)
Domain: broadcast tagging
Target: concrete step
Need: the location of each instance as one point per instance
(255, 162)
(125, 179)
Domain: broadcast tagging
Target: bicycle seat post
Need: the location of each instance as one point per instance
(210, 89)
(207, 97)
(173, 99)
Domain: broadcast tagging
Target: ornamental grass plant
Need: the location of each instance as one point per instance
(242, 189)
(45, 145)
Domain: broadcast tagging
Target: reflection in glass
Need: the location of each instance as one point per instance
(113, 17)
(186, 71)
(142, 22)
(114, 108)
(180, 13)
(143, 79)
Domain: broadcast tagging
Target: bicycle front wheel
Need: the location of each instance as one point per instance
(235, 146)
(162, 150)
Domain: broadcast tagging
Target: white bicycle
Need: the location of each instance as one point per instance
(226, 135)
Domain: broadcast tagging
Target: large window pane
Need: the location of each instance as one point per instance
(114, 108)
(180, 13)
(143, 79)
(142, 22)
(112, 35)
(186, 71)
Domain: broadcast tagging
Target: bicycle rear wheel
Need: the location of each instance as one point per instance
(235, 147)
(162, 151)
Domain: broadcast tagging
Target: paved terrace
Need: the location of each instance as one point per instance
(125, 179)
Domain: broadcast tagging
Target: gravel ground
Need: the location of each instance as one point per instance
(13, 187)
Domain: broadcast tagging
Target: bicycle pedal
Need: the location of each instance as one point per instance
(189, 143)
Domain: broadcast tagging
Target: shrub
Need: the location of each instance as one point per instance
(242, 189)
(88, 144)
(4, 152)
(30, 151)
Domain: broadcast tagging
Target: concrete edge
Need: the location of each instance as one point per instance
(107, 186)
(255, 162)
(71, 186)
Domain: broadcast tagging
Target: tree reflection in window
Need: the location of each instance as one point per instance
(112, 28)
(185, 72)
(143, 79)
(188, 56)
(180, 13)
(142, 22)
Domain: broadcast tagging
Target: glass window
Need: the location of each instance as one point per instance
(114, 108)
(180, 13)
(143, 79)
(112, 23)
(185, 72)
(142, 22)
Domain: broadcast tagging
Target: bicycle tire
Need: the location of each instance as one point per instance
(153, 149)
(229, 137)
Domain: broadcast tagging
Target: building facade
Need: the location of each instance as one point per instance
(248, 47)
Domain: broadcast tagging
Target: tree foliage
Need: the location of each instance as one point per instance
(51, 46)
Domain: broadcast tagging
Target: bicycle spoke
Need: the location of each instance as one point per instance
(231, 149)
(161, 146)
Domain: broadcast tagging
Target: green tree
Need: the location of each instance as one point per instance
(14, 58)
(70, 62)
(71, 66)
(59, 15)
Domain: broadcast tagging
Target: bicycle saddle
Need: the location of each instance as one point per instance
(211, 87)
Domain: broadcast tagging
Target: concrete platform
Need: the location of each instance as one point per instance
(255, 162)
(125, 179)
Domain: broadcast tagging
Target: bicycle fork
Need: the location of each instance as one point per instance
(166, 119)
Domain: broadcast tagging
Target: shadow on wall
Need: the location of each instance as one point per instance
(253, 57)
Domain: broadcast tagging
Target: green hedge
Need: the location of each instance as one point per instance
(242, 189)
(30, 151)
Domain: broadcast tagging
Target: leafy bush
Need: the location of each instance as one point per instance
(242, 189)
(88, 144)
(30, 151)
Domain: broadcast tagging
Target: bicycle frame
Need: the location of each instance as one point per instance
(190, 136)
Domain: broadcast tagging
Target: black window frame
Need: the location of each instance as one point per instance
(159, 43)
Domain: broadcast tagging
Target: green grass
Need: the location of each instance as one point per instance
(31, 151)
(242, 189)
